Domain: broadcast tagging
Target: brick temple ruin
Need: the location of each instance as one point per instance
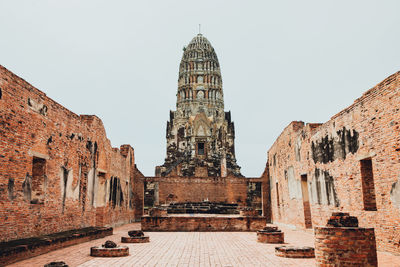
(200, 134)
(59, 174)
(350, 163)
(58, 169)
(200, 174)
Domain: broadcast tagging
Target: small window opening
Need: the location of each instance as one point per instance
(200, 148)
(38, 180)
(368, 187)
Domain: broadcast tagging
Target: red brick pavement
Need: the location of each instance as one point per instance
(192, 249)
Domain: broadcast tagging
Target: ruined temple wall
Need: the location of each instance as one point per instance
(284, 172)
(138, 194)
(56, 167)
(122, 210)
(197, 189)
(334, 158)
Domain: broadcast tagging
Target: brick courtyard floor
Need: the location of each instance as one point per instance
(191, 249)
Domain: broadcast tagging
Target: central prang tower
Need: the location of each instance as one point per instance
(200, 135)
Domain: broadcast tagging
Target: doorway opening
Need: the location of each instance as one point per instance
(306, 202)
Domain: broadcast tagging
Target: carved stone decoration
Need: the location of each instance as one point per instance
(109, 244)
(200, 95)
(200, 134)
(135, 236)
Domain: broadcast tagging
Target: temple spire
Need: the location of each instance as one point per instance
(200, 134)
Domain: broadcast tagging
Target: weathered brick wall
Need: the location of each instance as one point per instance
(316, 169)
(197, 189)
(202, 223)
(58, 170)
(266, 195)
(138, 194)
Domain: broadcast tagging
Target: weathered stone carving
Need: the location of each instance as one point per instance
(135, 233)
(109, 244)
(199, 133)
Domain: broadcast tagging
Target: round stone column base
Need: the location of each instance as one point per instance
(270, 237)
(120, 251)
(345, 246)
(295, 252)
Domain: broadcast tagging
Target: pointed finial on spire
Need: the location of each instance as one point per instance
(199, 28)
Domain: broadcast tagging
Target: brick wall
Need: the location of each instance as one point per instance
(350, 163)
(58, 170)
(197, 189)
(202, 223)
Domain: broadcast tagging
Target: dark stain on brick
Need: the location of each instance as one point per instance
(327, 149)
(253, 195)
(43, 110)
(329, 187)
(50, 140)
(11, 188)
(27, 187)
(65, 181)
(89, 145)
(318, 186)
(116, 196)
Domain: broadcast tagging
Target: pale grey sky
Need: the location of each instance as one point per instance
(280, 60)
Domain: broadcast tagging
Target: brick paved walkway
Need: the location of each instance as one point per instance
(191, 249)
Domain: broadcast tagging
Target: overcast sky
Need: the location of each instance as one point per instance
(280, 61)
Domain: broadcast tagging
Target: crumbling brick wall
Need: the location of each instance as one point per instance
(240, 190)
(58, 170)
(350, 163)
